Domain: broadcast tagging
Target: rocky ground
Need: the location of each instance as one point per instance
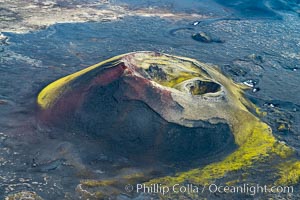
(22, 16)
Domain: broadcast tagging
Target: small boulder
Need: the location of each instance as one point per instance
(205, 38)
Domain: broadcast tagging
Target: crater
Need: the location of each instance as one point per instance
(202, 87)
(199, 87)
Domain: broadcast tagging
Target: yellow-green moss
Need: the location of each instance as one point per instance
(173, 81)
(23, 195)
(281, 127)
(134, 178)
(48, 96)
(260, 145)
(97, 183)
(259, 112)
(289, 173)
(130, 178)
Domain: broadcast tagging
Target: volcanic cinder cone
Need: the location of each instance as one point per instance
(143, 103)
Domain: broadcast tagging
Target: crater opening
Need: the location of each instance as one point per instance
(198, 87)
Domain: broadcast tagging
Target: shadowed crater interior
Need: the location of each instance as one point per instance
(199, 87)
